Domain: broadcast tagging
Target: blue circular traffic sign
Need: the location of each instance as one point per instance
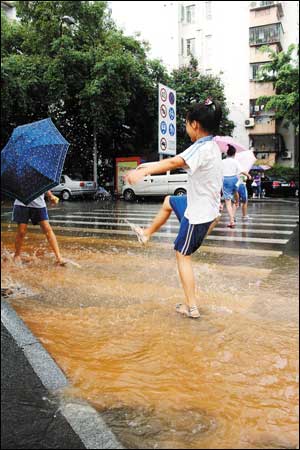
(171, 129)
(172, 113)
(163, 127)
(171, 98)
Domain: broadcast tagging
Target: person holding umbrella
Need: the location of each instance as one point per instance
(243, 197)
(31, 164)
(231, 172)
(36, 211)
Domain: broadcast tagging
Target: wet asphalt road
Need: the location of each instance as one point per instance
(273, 224)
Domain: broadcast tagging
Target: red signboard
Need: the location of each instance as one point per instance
(123, 165)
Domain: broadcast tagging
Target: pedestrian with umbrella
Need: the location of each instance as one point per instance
(31, 164)
(231, 172)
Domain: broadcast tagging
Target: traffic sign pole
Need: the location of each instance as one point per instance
(166, 121)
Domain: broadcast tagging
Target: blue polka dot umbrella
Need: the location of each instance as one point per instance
(32, 160)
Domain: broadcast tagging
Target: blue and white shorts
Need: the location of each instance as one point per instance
(22, 214)
(190, 236)
(243, 193)
(230, 187)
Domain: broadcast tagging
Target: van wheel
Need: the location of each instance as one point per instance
(180, 192)
(66, 195)
(129, 195)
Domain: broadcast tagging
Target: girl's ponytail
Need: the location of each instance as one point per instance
(208, 114)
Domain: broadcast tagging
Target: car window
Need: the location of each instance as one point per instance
(158, 174)
(177, 171)
(62, 179)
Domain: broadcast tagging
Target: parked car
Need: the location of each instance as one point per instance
(74, 187)
(278, 186)
(170, 183)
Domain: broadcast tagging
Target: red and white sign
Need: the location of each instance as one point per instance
(166, 114)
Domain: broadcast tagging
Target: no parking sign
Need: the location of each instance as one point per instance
(166, 120)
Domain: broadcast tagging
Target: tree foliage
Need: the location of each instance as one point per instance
(88, 76)
(191, 86)
(283, 72)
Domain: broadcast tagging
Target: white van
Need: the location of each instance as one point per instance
(173, 182)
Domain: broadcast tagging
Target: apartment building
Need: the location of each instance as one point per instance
(273, 24)
(225, 38)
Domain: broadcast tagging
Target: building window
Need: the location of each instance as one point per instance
(254, 71)
(267, 34)
(259, 110)
(266, 3)
(190, 47)
(182, 47)
(182, 13)
(208, 10)
(190, 14)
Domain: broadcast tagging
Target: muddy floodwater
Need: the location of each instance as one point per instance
(228, 380)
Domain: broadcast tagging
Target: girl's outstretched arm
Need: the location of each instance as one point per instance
(134, 176)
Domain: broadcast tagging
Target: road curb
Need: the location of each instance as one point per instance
(86, 422)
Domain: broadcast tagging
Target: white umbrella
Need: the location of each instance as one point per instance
(246, 160)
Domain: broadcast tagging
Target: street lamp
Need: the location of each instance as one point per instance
(65, 19)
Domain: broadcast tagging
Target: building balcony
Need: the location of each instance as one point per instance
(257, 56)
(266, 4)
(266, 35)
(264, 126)
(259, 110)
(259, 89)
(267, 143)
(266, 15)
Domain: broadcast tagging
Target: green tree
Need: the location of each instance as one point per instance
(283, 72)
(94, 82)
(89, 77)
(192, 86)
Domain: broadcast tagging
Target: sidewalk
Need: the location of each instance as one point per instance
(33, 416)
(274, 200)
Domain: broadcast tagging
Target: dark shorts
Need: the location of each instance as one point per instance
(22, 214)
(243, 193)
(190, 236)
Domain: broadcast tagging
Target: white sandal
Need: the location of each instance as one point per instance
(194, 312)
(138, 232)
(180, 310)
(191, 312)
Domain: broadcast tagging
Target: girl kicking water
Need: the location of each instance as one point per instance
(198, 211)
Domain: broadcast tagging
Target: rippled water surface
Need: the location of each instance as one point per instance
(229, 380)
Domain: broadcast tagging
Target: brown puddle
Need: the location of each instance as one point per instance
(229, 380)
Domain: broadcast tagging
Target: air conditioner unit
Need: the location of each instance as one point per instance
(249, 122)
(286, 155)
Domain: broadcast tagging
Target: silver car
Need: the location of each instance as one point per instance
(170, 183)
(71, 188)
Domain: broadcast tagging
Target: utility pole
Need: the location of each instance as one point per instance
(95, 155)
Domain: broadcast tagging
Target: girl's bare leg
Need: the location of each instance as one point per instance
(21, 233)
(230, 211)
(160, 219)
(47, 230)
(185, 270)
